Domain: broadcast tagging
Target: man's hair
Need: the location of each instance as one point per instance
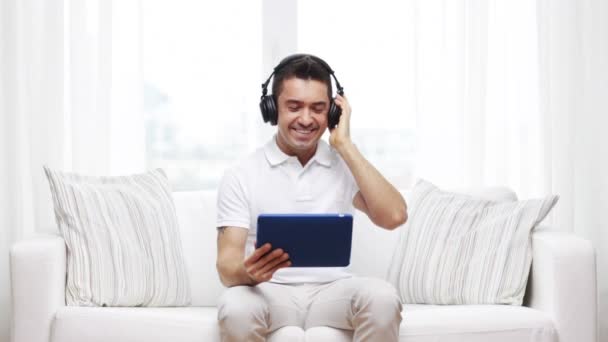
(305, 68)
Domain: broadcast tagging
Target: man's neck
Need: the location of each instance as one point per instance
(305, 158)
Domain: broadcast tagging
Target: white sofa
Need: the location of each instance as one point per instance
(560, 302)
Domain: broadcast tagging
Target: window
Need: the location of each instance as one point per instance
(204, 63)
(202, 74)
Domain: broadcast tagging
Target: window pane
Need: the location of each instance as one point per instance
(202, 70)
(367, 47)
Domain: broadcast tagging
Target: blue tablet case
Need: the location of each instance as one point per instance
(311, 240)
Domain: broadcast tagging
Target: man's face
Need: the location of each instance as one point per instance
(303, 107)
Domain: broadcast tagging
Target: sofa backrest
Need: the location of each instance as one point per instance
(196, 211)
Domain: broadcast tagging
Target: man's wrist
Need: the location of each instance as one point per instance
(345, 148)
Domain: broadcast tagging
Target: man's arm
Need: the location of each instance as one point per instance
(232, 266)
(377, 198)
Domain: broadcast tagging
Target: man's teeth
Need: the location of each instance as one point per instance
(304, 131)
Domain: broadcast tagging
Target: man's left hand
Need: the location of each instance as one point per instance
(340, 135)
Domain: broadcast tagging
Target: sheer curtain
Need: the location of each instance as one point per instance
(70, 98)
(574, 84)
(515, 93)
(477, 94)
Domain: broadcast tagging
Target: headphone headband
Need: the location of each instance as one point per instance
(290, 59)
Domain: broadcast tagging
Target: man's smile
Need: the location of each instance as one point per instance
(305, 131)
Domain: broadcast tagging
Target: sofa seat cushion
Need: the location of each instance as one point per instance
(118, 324)
(494, 323)
(421, 323)
(460, 323)
(127, 324)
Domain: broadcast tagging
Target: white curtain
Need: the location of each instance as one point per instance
(478, 96)
(516, 93)
(575, 99)
(70, 97)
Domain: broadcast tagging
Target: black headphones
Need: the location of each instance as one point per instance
(268, 106)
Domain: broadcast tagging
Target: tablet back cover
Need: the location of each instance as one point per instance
(311, 240)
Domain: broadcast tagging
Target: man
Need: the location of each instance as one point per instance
(297, 172)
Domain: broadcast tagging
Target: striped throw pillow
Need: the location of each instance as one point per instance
(456, 249)
(122, 238)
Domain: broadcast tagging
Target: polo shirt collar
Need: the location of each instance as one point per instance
(275, 156)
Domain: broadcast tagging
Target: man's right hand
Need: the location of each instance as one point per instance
(262, 263)
(232, 266)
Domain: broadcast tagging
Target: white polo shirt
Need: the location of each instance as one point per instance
(271, 182)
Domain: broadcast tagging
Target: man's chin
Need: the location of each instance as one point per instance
(304, 139)
(304, 144)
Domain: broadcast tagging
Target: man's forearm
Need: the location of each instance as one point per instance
(384, 202)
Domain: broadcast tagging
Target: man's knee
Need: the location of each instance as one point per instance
(241, 302)
(242, 312)
(380, 300)
(386, 309)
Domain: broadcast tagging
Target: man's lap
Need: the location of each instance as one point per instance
(307, 305)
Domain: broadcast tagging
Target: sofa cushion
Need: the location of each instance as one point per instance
(122, 239)
(470, 323)
(183, 324)
(496, 323)
(459, 249)
(421, 323)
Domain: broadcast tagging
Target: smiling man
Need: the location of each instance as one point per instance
(297, 172)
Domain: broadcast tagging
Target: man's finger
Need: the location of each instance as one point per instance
(268, 257)
(273, 263)
(257, 254)
(269, 274)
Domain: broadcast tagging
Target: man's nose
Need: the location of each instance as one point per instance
(305, 118)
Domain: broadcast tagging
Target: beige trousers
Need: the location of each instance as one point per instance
(368, 306)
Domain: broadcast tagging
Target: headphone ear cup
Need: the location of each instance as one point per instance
(268, 109)
(333, 116)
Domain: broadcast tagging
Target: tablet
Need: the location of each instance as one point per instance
(311, 240)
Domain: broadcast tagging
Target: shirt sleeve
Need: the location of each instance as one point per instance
(232, 203)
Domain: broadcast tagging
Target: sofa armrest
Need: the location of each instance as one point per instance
(38, 278)
(563, 284)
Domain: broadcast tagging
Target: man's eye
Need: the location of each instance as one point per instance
(293, 109)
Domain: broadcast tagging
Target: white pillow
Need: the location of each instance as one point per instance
(457, 249)
(122, 239)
